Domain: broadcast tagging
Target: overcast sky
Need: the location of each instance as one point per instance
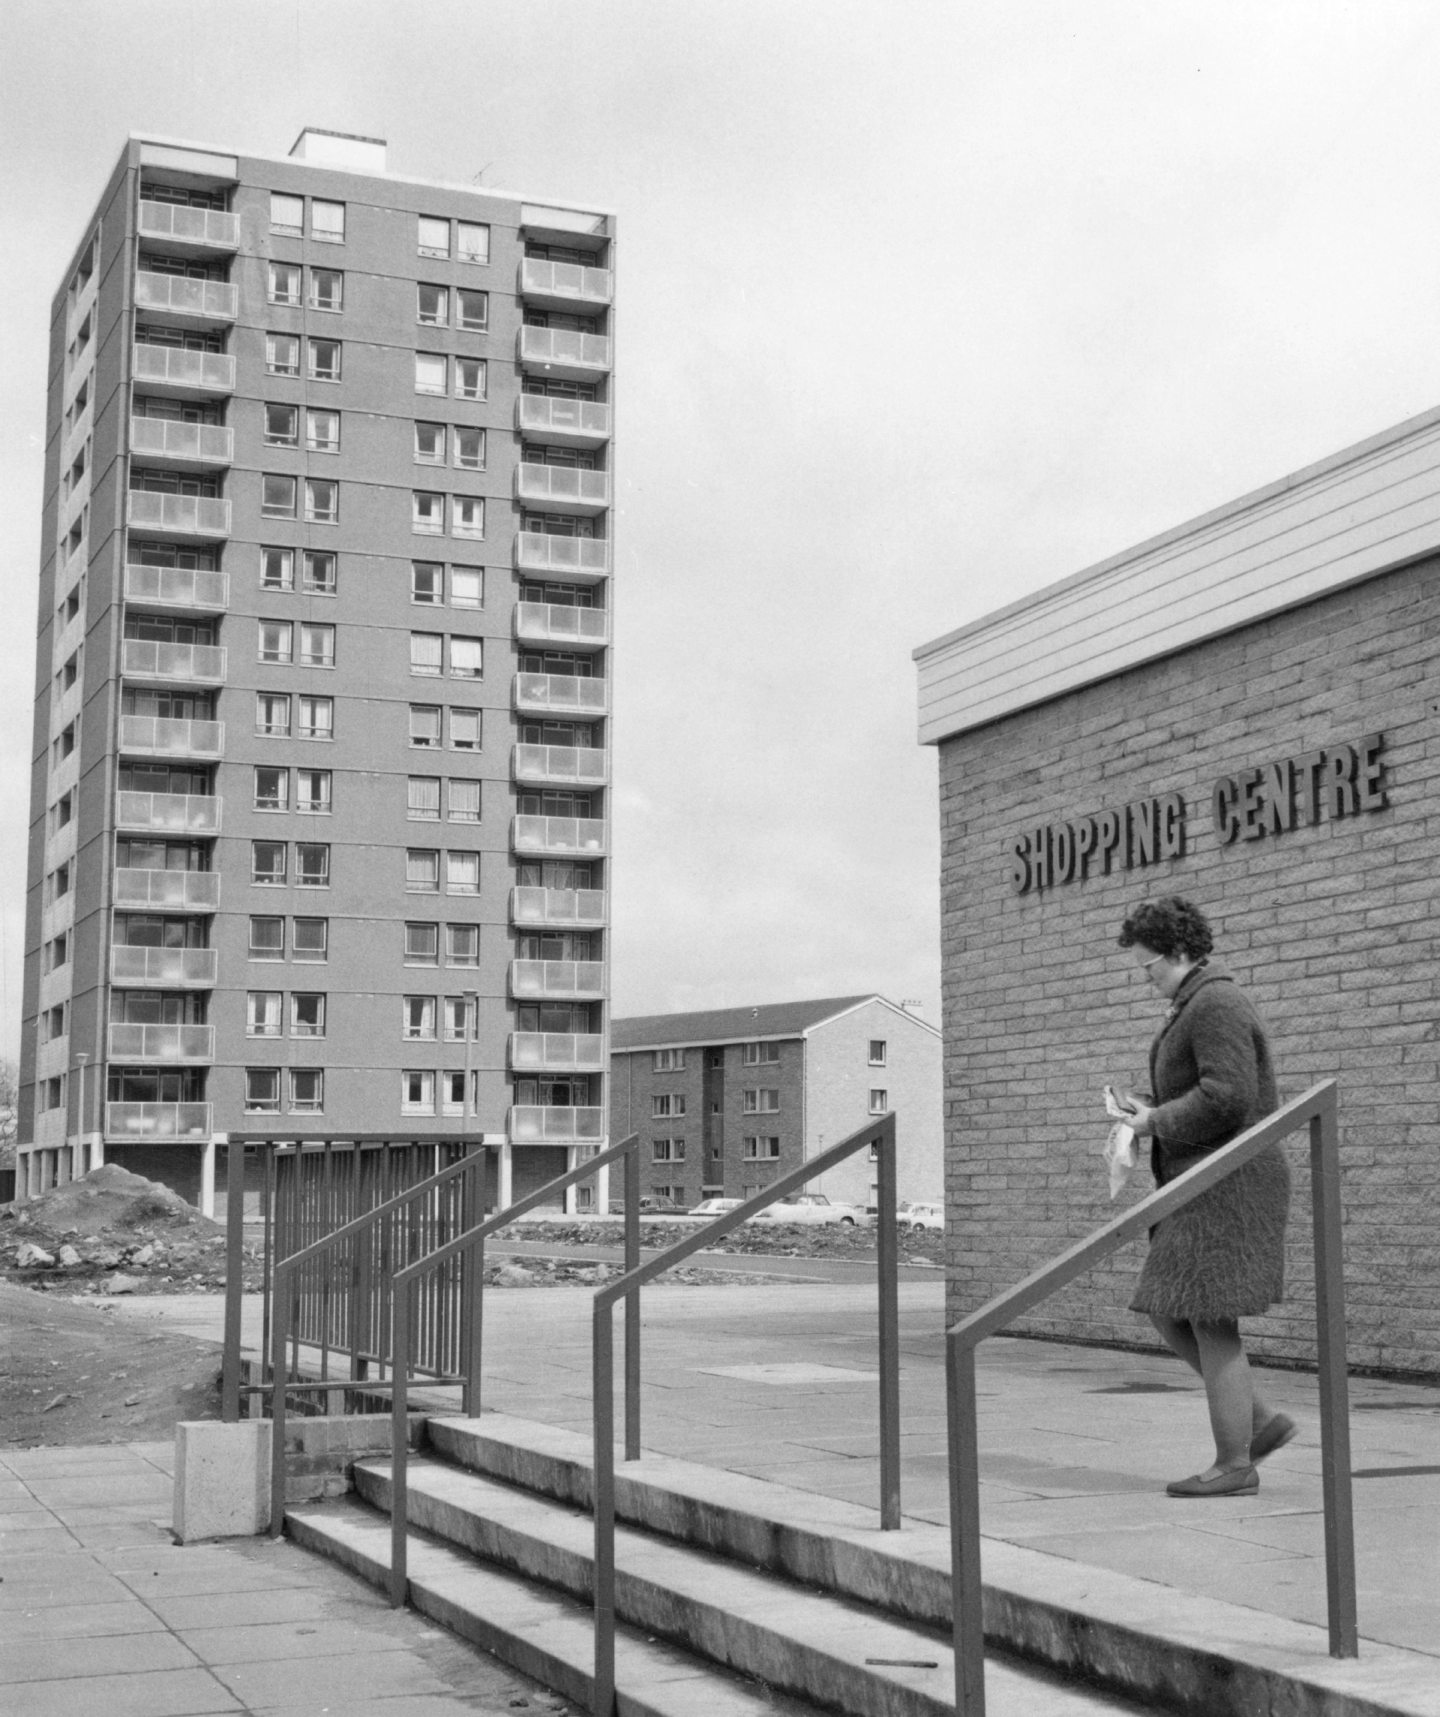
(923, 306)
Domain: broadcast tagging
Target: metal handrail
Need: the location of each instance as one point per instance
(1319, 1106)
(472, 1242)
(881, 1134)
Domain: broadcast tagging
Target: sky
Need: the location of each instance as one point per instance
(923, 305)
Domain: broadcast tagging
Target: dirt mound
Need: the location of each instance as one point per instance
(110, 1202)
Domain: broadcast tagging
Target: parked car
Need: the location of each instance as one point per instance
(812, 1208)
(913, 1215)
(716, 1206)
(649, 1207)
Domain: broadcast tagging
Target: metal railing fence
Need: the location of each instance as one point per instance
(880, 1134)
(1319, 1107)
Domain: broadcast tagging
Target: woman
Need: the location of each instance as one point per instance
(1221, 1257)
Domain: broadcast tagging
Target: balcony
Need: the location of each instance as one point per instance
(184, 515)
(556, 1052)
(125, 1123)
(554, 623)
(558, 836)
(160, 1043)
(178, 230)
(167, 813)
(187, 446)
(183, 374)
(163, 968)
(195, 589)
(565, 352)
(167, 890)
(566, 558)
(560, 694)
(192, 303)
(171, 736)
(567, 422)
(577, 907)
(546, 1124)
(564, 284)
(561, 765)
(562, 488)
(154, 659)
(557, 980)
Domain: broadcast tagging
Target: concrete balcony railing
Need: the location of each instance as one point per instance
(167, 813)
(578, 907)
(154, 659)
(172, 369)
(185, 515)
(126, 1122)
(562, 488)
(167, 968)
(163, 1043)
(544, 282)
(565, 765)
(566, 422)
(565, 352)
(545, 1124)
(560, 694)
(167, 890)
(171, 736)
(565, 558)
(189, 587)
(166, 438)
(555, 623)
(187, 228)
(558, 835)
(177, 295)
(557, 980)
(557, 1052)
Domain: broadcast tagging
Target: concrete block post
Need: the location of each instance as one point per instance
(222, 1479)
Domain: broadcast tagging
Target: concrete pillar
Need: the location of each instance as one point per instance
(505, 1177)
(207, 1178)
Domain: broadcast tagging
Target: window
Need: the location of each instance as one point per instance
(458, 1021)
(322, 431)
(470, 378)
(427, 512)
(327, 289)
(418, 1018)
(312, 938)
(262, 1090)
(424, 725)
(327, 221)
(284, 284)
(277, 569)
(432, 305)
(467, 516)
(422, 870)
(667, 1104)
(765, 1101)
(469, 448)
(312, 791)
(319, 572)
(267, 938)
(760, 1054)
(467, 587)
(462, 944)
(312, 864)
(879, 1101)
(431, 371)
(667, 1060)
(452, 1092)
(317, 718)
(467, 660)
(464, 801)
(272, 789)
(472, 309)
(282, 426)
(277, 497)
(307, 1090)
(429, 443)
(877, 1051)
(267, 863)
(761, 1148)
(426, 652)
(272, 714)
(427, 583)
(465, 729)
(262, 1013)
(417, 1092)
(322, 498)
(462, 873)
(277, 641)
(422, 944)
(282, 354)
(307, 1015)
(324, 356)
(434, 236)
(287, 214)
(472, 242)
(423, 798)
(317, 644)
(667, 1150)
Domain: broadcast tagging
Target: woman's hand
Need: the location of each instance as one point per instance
(1141, 1119)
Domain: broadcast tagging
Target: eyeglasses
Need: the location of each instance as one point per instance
(1145, 965)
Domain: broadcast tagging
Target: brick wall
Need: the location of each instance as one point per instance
(1333, 927)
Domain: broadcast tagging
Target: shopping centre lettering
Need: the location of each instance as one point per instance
(1271, 799)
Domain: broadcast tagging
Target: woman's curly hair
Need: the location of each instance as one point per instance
(1170, 926)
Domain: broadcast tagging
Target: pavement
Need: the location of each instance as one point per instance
(778, 1381)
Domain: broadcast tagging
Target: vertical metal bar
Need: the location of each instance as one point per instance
(967, 1600)
(399, 1441)
(602, 1362)
(888, 1281)
(278, 1376)
(474, 1358)
(269, 1197)
(632, 1303)
(1334, 1388)
(234, 1279)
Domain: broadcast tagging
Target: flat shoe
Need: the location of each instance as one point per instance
(1278, 1430)
(1243, 1481)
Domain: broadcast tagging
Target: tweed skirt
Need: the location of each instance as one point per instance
(1222, 1256)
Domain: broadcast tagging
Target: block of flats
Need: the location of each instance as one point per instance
(1239, 1481)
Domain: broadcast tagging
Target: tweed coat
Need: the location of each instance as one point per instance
(1222, 1256)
